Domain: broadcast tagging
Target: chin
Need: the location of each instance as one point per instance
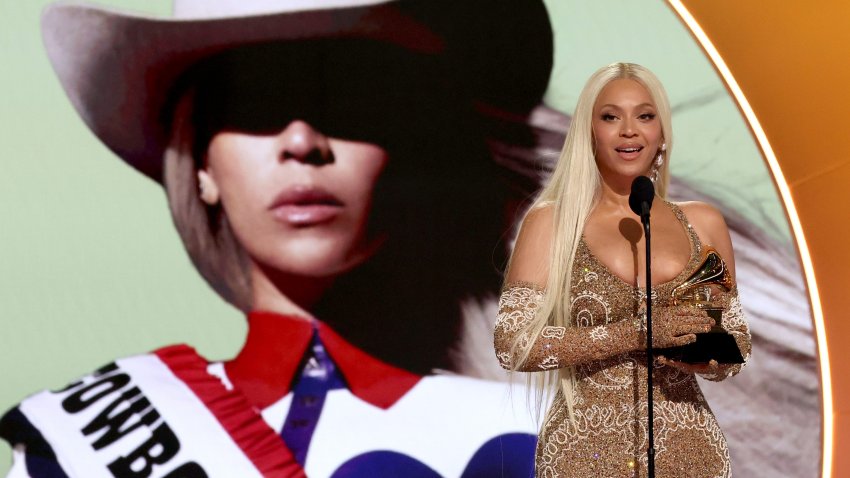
(313, 260)
(637, 170)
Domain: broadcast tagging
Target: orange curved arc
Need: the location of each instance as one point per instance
(793, 218)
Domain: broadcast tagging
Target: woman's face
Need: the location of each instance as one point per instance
(298, 201)
(626, 129)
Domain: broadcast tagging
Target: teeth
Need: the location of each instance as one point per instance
(629, 150)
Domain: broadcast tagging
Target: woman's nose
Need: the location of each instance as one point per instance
(627, 128)
(299, 141)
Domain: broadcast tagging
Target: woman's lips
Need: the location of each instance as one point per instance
(629, 152)
(304, 206)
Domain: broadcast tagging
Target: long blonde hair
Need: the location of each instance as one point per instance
(572, 192)
(205, 230)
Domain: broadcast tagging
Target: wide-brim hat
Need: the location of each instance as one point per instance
(118, 68)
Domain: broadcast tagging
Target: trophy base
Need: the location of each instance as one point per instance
(719, 346)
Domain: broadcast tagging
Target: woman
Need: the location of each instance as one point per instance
(571, 304)
(315, 161)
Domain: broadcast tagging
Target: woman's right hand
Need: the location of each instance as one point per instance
(678, 325)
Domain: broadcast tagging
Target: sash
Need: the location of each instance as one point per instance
(160, 415)
(169, 415)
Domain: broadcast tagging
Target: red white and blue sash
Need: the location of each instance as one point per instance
(157, 415)
(317, 404)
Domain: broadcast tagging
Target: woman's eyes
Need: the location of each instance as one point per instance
(642, 117)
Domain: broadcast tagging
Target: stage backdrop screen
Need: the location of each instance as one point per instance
(92, 267)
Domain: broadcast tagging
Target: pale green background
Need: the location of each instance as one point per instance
(91, 268)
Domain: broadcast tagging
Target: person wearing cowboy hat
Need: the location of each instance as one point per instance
(327, 167)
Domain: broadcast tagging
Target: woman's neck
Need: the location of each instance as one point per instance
(402, 313)
(614, 195)
(302, 293)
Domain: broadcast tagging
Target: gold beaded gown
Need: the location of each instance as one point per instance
(608, 437)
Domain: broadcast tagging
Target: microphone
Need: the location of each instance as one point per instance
(640, 200)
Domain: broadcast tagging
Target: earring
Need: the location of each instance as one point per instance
(656, 165)
(207, 189)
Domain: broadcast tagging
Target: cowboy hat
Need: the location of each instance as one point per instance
(118, 69)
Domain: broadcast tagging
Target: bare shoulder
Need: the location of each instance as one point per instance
(539, 219)
(711, 228)
(530, 258)
(702, 214)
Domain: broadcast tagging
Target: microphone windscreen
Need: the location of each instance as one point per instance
(642, 191)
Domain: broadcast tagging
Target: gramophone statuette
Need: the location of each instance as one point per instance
(703, 288)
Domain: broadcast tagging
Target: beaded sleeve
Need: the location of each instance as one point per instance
(734, 322)
(555, 347)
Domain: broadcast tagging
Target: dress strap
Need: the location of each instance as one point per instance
(696, 244)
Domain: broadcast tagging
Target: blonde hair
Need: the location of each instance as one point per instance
(204, 230)
(572, 192)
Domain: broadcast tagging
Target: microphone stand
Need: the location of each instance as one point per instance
(650, 452)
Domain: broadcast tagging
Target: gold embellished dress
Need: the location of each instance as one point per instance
(608, 437)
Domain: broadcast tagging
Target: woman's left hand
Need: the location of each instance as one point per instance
(710, 368)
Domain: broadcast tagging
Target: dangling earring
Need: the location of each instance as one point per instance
(656, 165)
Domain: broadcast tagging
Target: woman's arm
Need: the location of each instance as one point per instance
(735, 323)
(712, 230)
(554, 347)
